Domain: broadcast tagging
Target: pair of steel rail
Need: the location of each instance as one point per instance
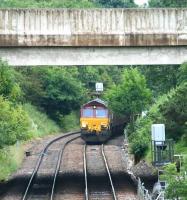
(40, 159)
(107, 169)
(43, 153)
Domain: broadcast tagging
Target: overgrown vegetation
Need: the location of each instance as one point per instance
(14, 120)
(47, 4)
(14, 123)
(160, 79)
(18, 122)
(70, 121)
(170, 109)
(130, 96)
(10, 159)
(9, 88)
(116, 3)
(67, 3)
(57, 90)
(39, 123)
(176, 181)
(167, 3)
(87, 3)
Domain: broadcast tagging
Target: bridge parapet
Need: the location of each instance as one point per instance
(93, 27)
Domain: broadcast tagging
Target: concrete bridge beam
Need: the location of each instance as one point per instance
(40, 56)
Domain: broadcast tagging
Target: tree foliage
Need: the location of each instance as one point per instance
(9, 87)
(14, 123)
(170, 109)
(160, 79)
(13, 120)
(57, 90)
(131, 95)
(182, 74)
(89, 75)
(167, 3)
(117, 3)
(60, 90)
(176, 182)
(47, 4)
(67, 3)
(63, 92)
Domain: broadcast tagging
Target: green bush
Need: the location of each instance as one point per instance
(175, 112)
(57, 90)
(176, 182)
(40, 123)
(9, 87)
(167, 3)
(10, 158)
(182, 75)
(170, 109)
(70, 122)
(117, 3)
(46, 4)
(161, 78)
(14, 123)
(19, 123)
(131, 95)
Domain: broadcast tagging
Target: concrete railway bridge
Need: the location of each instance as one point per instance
(36, 37)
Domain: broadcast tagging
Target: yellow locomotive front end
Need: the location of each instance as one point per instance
(95, 121)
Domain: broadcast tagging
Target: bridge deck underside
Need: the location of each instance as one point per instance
(41, 56)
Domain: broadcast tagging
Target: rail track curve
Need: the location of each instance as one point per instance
(72, 136)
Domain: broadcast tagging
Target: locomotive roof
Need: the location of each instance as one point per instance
(97, 100)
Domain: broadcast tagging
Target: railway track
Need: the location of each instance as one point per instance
(52, 186)
(35, 189)
(108, 192)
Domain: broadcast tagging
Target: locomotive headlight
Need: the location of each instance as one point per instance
(103, 125)
(84, 125)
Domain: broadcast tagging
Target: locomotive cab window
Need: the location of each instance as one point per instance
(101, 113)
(87, 112)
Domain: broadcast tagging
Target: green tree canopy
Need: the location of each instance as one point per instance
(64, 89)
(89, 75)
(117, 3)
(167, 3)
(57, 90)
(176, 182)
(171, 110)
(14, 123)
(9, 87)
(160, 79)
(47, 4)
(182, 74)
(131, 95)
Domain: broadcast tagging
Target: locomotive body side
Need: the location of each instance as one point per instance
(118, 124)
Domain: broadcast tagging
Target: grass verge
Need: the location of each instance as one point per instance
(70, 122)
(40, 123)
(10, 159)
